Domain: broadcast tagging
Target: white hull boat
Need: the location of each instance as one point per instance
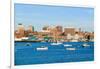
(41, 48)
(56, 43)
(66, 45)
(70, 48)
(86, 45)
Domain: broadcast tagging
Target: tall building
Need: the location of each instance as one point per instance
(30, 28)
(54, 33)
(46, 29)
(59, 28)
(69, 31)
(21, 30)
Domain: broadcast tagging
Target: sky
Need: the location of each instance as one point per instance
(46, 15)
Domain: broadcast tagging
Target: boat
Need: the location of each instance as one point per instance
(66, 45)
(56, 43)
(70, 48)
(42, 48)
(28, 44)
(85, 45)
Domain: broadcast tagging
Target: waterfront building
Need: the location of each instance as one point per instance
(76, 37)
(30, 28)
(59, 29)
(54, 32)
(69, 37)
(46, 29)
(69, 31)
(20, 30)
(17, 35)
(92, 35)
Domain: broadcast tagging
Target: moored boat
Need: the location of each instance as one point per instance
(85, 45)
(42, 48)
(58, 43)
(70, 48)
(66, 45)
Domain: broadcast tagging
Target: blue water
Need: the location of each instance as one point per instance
(25, 55)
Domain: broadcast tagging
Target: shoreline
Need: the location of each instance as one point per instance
(52, 42)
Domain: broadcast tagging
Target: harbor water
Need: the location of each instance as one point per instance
(27, 52)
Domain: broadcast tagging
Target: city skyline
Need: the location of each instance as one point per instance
(40, 16)
(26, 28)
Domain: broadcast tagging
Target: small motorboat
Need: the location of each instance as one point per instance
(85, 45)
(56, 43)
(70, 48)
(28, 44)
(42, 48)
(66, 45)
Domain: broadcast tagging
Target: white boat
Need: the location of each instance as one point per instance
(66, 45)
(85, 45)
(56, 43)
(70, 48)
(42, 48)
